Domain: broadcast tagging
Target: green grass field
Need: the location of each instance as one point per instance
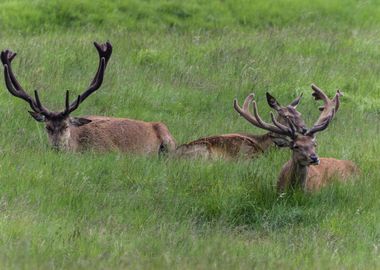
(182, 64)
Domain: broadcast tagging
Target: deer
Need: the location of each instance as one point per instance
(243, 145)
(99, 133)
(305, 169)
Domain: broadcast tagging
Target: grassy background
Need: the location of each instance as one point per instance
(183, 63)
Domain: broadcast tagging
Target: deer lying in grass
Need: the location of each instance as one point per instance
(229, 146)
(297, 171)
(91, 132)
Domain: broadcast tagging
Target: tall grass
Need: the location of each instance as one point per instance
(116, 211)
(37, 16)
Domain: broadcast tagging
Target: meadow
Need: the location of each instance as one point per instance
(182, 64)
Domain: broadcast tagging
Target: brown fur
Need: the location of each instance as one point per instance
(227, 146)
(122, 134)
(314, 177)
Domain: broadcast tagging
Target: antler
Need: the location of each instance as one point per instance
(328, 110)
(14, 86)
(321, 124)
(318, 94)
(104, 51)
(258, 122)
(295, 102)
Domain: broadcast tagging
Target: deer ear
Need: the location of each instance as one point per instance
(295, 102)
(272, 102)
(75, 121)
(37, 116)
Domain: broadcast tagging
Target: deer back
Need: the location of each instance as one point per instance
(226, 146)
(122, 134)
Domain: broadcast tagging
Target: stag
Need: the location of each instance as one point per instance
(243, 145)
(297, 171)
(91, 132)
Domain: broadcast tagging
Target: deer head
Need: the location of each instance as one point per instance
(57, 123)
(303, 144)
(286, 113)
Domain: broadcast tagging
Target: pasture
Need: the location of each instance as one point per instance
(183, 64)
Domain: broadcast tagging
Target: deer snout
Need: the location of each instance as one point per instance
(314, 159)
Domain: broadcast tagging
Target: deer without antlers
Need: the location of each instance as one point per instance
(90, 132)
(229, 146)
(298, 171)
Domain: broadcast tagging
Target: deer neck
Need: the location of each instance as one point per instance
(298, 173)
(71, 138)
(264, 141)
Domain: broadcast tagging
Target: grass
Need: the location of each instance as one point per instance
(115, 211)
(38, 16)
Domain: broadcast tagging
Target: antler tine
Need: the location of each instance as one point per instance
(319, 94)
(40, 107)
(18, 92)
(273, 128)
(321, 125)
(245, 111)
(296, 101)
(70, 108)
(291, 128)
(255, 119)
(67, 101)
(104, 51)
(247, 101)
(9, 84)
(6, 58)
(336, 100)
(328, 110)
(95, 84)
(37, 98)
(76, 105)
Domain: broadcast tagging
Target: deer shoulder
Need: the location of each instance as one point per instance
(329, 169)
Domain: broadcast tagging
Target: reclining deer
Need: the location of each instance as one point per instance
(297, 171)
(229, 146)
(91, 132)
(243, 145)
